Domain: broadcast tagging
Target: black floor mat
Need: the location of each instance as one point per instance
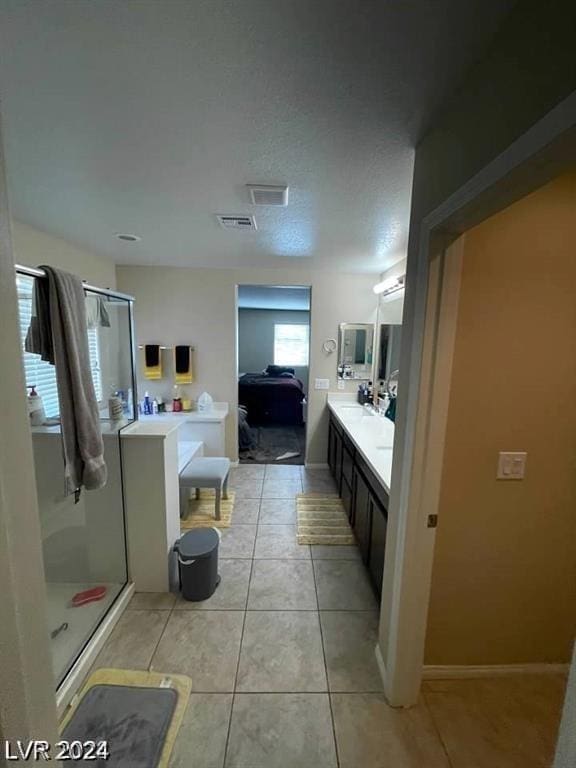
(272, 442)
(133, 721)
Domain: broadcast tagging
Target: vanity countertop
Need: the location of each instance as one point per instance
(217, 413)
(372, 434)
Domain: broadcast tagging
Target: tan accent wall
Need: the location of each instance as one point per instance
(198, 306)
(504, 578)
(33, 247)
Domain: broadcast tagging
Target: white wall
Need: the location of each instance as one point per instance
(32, 248)
(198, 307)
(256, 339)
(27, 701)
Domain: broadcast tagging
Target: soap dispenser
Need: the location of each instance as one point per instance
(35, 407)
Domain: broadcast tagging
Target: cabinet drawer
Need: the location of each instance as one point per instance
(337, 428)
(348, 444)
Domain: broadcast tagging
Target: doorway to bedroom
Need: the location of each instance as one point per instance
(273, 366)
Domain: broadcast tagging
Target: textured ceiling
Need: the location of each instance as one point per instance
(150, 117)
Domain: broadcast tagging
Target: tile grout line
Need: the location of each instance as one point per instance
(436, 728)
(149, 667)
(325, 666)
(241, 642)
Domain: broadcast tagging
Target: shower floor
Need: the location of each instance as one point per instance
(81, 621)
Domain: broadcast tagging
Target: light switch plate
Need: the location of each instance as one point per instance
(511, 465)
(321, 383)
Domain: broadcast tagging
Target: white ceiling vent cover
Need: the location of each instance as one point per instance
(265, 194)
(235, 221)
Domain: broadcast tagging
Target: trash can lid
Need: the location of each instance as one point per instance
(199, 542)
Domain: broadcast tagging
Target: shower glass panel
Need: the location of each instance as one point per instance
(83, 543)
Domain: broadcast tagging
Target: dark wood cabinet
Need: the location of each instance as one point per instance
(335, 451)
(361, 515)
(364, 498)
(346, 496)
(377, 545)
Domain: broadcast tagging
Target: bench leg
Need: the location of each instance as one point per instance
(197, 494)
(184, 498)
(217, 510)
(225, 488)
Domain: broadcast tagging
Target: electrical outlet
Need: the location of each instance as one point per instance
(321, 383)
(341, 384)
(511, 465)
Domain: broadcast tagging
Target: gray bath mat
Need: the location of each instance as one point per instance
(134, 721)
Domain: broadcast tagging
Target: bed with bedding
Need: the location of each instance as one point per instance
(275, 396)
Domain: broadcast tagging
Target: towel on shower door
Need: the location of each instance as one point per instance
(96, 313)
(183, 365)
(152, 362)
(58, 332)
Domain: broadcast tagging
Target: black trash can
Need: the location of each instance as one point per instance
(197, 554)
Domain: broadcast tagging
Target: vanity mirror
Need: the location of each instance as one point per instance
(355, 351)
(388, 350)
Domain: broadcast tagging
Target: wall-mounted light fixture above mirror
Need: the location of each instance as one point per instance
(355, 351)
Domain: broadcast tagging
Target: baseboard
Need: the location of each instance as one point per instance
(381, 665)
(457, 672)
(310, 465)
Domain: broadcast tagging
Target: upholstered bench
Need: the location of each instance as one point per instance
(204, 472)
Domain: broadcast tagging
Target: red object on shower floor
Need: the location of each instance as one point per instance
(88, 596)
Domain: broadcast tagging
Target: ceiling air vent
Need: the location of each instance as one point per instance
(233, 221)
(265, 194)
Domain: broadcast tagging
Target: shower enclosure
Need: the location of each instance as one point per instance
(84, 543)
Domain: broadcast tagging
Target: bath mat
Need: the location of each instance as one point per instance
(322, 520)
(137, 713)
(201, 511)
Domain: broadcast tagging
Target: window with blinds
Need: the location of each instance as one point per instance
(40, 373)
(291, 344)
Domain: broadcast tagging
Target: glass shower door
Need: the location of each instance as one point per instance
(83, 543)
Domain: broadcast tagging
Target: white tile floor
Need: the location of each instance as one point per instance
(281, 657)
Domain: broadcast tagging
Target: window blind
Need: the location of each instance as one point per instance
(37, 371)
(291, 344)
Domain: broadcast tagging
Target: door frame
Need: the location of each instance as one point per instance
(547, 149)
(237, 308)
(27, 689)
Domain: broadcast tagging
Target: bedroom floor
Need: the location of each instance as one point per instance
(274, 441)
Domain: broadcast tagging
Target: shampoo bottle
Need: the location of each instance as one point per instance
(35, 408)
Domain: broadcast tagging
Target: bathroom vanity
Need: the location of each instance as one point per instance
(155, 450)
(360, 445)
(207, 427)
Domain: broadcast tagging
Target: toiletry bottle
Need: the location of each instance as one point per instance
(115, 407)
(177, 401)
(370, 393)
(35, 408)
(155, 406)
(147, 404)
